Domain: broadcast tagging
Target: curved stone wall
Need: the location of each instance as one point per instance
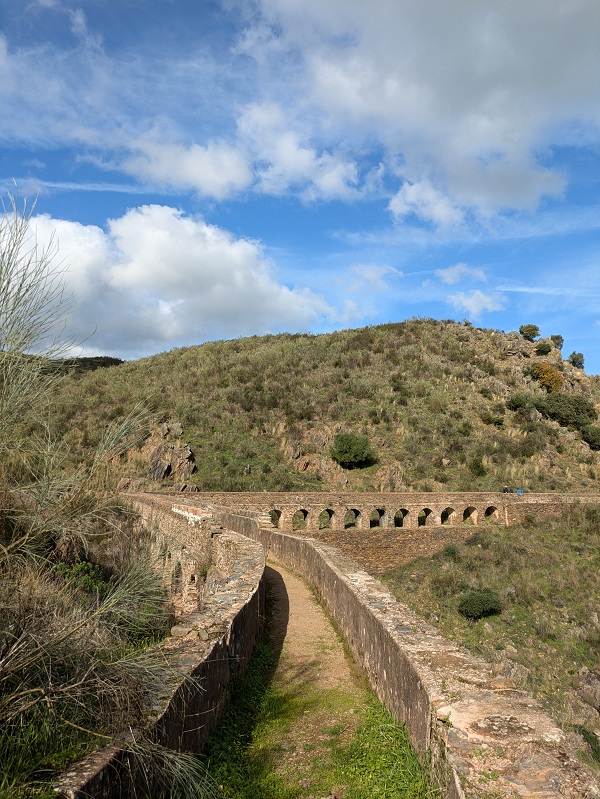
(211, 643)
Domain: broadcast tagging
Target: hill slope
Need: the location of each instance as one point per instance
(444, 405)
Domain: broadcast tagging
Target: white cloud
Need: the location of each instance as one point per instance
(157, 279)
(462, 102)
(427, 203)
(452, 275)
(215, 170)
(476, 302)
(469, 96)
(285, 160)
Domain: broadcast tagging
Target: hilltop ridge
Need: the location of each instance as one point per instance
(443, 406)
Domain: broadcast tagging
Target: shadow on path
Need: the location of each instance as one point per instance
(278, 610)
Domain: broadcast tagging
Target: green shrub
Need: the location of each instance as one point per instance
(85, 576)
(352, 451)
(567, 410)
(558, 341)
(476, 467)
(543, 348)
(529, 332)
(591, 435)
(519, 400)
(576, 360)
(480, 602)
(535, 441)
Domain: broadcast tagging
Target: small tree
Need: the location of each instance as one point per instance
(352, 451)
(543, 348)
(529, 332)
(547, 376)
(576, 360)
(558, 341)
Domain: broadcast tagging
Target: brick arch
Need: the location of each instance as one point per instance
(352, 518)
(377, 517)
(275, 515)
(400, 517)
(491, 512)
(448, 516)
(325, 519)
(425, 514)
(470, 515)
(299, 519)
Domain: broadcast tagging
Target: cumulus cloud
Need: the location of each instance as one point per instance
(452, 275)
(157, 279)
(469, 97)
(286, 160)
(475, 302)
(462, 104)
(215, 170)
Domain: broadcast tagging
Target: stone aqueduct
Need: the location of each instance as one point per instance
(317, 512)
(465, 713)
(380, 531)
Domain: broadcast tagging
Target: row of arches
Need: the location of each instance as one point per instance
(351, 518)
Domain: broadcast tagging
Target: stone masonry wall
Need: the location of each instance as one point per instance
(481, 732)
(211, 643)
(385, 546)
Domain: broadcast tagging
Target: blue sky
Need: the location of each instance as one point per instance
(222, 169)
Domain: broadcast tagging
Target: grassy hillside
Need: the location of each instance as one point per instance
(546, 633)
(443, 405)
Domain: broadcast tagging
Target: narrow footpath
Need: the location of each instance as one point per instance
(317, 731)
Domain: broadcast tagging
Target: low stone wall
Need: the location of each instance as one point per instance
(211, 645)
(483, 735)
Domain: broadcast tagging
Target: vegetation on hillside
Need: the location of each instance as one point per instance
(545, 628)
(432, 399)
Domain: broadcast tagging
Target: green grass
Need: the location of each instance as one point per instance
(379, 761)
(37, 751)
(245, 754)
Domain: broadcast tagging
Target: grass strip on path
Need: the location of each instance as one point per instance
(284, 738)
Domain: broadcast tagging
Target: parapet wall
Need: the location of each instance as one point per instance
(477, 727)
(207, 648)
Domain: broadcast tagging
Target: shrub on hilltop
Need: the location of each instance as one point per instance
(529, 332)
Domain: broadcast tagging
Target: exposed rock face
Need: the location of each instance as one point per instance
(167, 456)
(589, 687)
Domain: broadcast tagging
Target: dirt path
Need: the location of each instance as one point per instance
(311, 648)
(314, 674)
